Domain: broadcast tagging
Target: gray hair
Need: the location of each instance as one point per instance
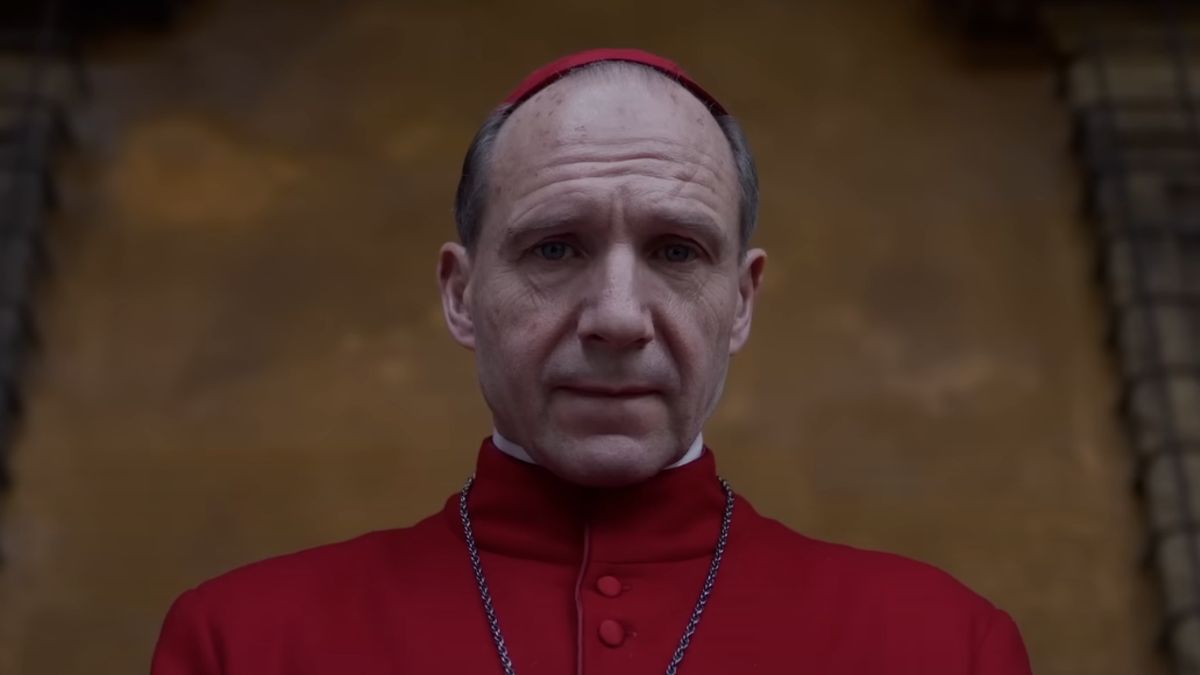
(470, 203)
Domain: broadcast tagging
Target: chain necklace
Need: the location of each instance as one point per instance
(684, 642)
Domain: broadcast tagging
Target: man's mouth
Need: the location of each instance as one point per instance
(626, 391)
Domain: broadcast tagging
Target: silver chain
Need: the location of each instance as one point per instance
(684, 642)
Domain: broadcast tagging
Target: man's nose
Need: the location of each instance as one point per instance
(615, 314)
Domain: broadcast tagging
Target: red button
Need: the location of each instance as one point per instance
(612, 633)
(609, 586)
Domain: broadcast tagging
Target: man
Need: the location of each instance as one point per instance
(603, 278)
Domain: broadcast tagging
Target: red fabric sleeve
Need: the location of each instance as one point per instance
(185, 646)
(1001, 651)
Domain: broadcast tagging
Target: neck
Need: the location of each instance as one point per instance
(522, 510)
(517, 452)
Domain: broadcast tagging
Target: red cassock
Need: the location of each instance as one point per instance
(600, 582)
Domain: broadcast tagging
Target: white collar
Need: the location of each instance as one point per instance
(513, 450)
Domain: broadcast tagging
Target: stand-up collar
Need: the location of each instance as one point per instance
(523, 510)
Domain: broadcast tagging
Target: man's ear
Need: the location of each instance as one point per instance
(454, 276)
(750, 275)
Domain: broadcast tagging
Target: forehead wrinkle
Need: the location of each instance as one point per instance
(567, 169)
(616, 190)
(562, 210)
(692, 214)
(581, 147)
(626, 206)
(648, 167)
(556, 138)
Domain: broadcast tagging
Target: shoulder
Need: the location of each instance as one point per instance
(912, 611)
(852, 576)
(321, 595)
(311, 565)
(329, 574)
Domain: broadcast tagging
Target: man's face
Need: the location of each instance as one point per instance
(606, 291)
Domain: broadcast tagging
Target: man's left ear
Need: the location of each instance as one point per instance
(750, 275)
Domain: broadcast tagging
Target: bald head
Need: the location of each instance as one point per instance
(616, 137)
(606, 102)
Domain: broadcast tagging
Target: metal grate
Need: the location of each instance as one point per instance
(33, 128)
(1134, 93)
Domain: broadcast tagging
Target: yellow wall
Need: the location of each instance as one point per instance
(244, 354)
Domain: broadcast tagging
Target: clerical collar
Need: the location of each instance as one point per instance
(523, 510)
(513, 450)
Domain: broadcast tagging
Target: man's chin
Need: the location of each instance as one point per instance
(606, 460)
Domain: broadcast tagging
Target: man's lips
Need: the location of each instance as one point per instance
(610, 391)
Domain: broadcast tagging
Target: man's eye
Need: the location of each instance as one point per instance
(553, 250)
(678, 253)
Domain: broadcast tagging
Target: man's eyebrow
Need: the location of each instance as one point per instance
(698, 223)
(540, 224)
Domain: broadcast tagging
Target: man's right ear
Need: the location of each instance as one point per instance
(454, 276)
